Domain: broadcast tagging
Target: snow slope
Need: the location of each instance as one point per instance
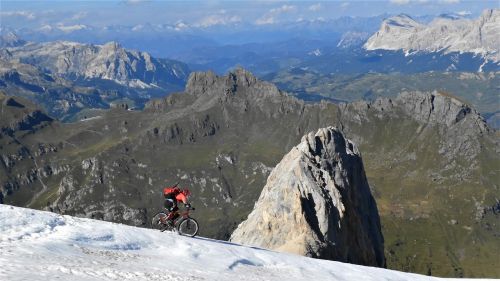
(37, 245)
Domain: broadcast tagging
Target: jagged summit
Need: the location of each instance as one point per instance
(441, 107)
(402, 20)
(448, 34)
(18, 114)
(235, 81)
(239, 88)
(11, 40)
(317, 203)
(436, 108)
(109, 61)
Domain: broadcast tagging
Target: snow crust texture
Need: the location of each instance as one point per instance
(38, 245)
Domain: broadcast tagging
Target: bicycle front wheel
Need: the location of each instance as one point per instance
(188, 227)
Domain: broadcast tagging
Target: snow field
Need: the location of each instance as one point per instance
(38, 245)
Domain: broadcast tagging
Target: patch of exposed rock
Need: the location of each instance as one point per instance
(448, 34)
(317, 203)
(459, 123)
(109, 61)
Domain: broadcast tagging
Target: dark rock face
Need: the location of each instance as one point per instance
(317, 202)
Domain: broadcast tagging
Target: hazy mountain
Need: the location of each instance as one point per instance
(67, 78)
(445, 33)
(58, 96)
(429, 158)
(10, 40)
(260, 48)
(109, 62)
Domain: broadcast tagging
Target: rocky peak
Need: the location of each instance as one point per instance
(401, 21)
(431, 108)
(199, 82)
(459, 123)
(112, 45)
(11, 40)
(489, 15)
(317, 202)
(237, 81)
(352, 39)
(440, 108)
(242, 77)
(20, 114)
(446, 34)
(109, 61)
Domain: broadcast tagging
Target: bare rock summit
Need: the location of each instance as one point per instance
(317, 203)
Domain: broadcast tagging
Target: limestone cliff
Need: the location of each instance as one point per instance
(317, 202)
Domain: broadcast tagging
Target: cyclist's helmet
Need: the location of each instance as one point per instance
(186, 192)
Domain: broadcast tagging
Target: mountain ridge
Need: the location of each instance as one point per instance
(478, 36)
(222, 142)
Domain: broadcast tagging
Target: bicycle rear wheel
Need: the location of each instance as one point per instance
(188, 227)
(159, 221)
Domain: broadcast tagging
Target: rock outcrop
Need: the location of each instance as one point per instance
(460, 124)
(109, 62)
(442, 34)
(317, 202)
(10, 40)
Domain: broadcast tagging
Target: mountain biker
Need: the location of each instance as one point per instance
(173, 195)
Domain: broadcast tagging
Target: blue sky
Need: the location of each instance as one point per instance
(209, 13)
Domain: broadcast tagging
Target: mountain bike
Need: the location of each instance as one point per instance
(182, 223)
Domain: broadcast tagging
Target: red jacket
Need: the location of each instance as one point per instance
(176, 193)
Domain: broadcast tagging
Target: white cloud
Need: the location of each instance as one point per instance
(283, 9)
(400, 2)
(270, 17)
(180, 25)
(265, 20)
(24, 14)
(218, 20)
(451, 1)
(344, 5)
(464, 13)
(315, 7)
(71, 28)
(79, 15)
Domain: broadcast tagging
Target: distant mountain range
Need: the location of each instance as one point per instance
(326, 46)
(67, 77)
(445, 34)
(108, 62)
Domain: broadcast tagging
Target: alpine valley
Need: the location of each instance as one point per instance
(431, 161)
(375, 146)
